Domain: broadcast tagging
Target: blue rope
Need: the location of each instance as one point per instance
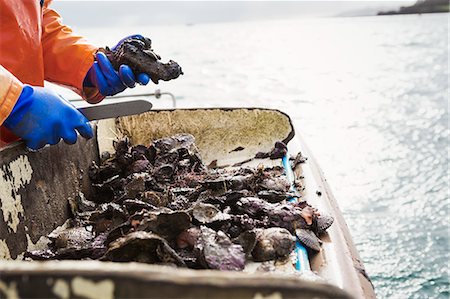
(302, 263)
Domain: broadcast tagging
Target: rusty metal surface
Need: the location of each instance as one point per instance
(35, 188)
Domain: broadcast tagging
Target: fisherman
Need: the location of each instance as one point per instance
(36, 46)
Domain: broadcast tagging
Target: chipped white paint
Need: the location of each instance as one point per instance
(13, 177)
(93, 290)
(61, 289)
(4, 251)
(9, 291)
(275, 295)
(20, 257)
(106, 134)
(40, 244)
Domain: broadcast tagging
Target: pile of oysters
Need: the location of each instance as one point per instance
(160, 204)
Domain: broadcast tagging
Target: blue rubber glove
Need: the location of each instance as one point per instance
(107, 80)
(42, 117)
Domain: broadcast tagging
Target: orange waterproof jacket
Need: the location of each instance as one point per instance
(36, 46)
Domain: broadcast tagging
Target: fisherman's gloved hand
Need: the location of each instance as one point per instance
(107, 80)
(42, 117)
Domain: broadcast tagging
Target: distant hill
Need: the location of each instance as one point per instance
(421, 6)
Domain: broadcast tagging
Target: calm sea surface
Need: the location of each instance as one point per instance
(371, 96)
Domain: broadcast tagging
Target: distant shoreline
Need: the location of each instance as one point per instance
(420, 7)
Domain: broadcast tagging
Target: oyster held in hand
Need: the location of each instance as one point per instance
(137, 53)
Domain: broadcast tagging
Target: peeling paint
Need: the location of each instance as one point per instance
(9, 291)
(275, 295)
(13, 177)
(4, 251)
(40, 244)
(92, 290)
(20, 257)
(61, 289)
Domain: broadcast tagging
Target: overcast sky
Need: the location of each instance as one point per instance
(123, 13)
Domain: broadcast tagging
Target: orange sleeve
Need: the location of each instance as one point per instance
(67, 57)
(10, 90)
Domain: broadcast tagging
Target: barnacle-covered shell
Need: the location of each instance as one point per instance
(95, 249)
(157, 199)
(72, 237)
(273, 243)
(164, 222)
(216, 251)
(280, 184)
(137, 52)
(142, 247)
(107, 216)
(284, 215)
(208, 213)
(253, 206)
(135, 184)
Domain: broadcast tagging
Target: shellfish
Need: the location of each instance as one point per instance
(137, 53)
